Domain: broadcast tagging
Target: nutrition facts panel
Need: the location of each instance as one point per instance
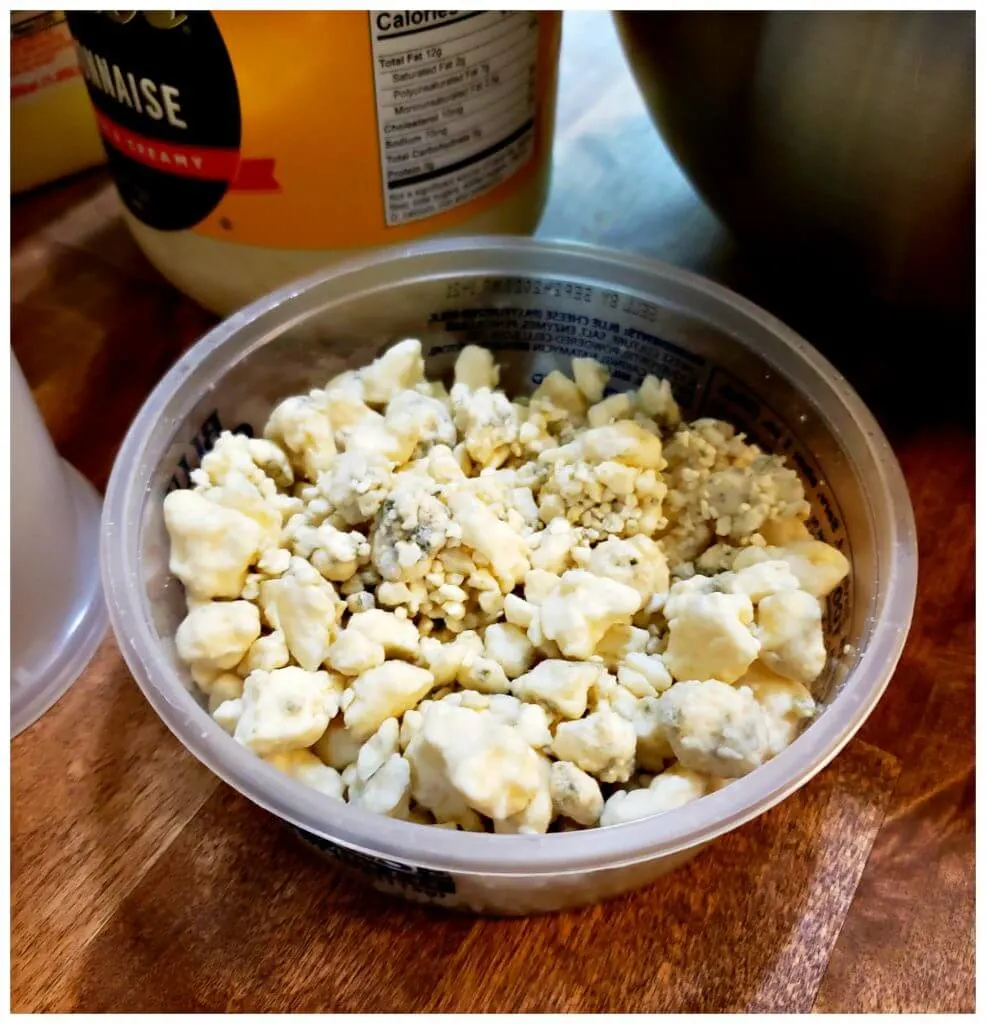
(456, 101)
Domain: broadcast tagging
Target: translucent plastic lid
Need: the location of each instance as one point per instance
(57, 612)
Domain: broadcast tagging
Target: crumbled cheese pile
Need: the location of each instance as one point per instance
(459, 609)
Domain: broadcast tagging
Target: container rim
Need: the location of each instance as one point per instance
(472, 853)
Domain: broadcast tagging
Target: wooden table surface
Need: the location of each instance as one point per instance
(140, 882)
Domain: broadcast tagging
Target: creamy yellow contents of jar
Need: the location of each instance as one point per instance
(224, 276)
(459, 609)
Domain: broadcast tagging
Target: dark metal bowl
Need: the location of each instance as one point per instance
(840, 141)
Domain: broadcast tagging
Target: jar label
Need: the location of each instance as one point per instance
(311, 130)
(456, 100)
(166, 105)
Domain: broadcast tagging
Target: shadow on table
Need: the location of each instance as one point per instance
(914, 367)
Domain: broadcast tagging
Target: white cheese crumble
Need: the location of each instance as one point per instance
(455, 608)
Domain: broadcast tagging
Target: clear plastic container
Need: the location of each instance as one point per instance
(536, 304)
(57, 613)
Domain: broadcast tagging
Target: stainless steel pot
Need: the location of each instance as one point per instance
(842, 141)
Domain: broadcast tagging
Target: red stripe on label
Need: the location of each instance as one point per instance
(204, 163)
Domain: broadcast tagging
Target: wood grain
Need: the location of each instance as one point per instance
(98, 794)
(918, 891)
(139, 882)
(196, 933)
(199, 934)
(693, 941)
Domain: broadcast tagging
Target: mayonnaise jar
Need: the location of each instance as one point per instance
(250, 148)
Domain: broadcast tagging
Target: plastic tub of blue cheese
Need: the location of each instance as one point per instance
(508, 573)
